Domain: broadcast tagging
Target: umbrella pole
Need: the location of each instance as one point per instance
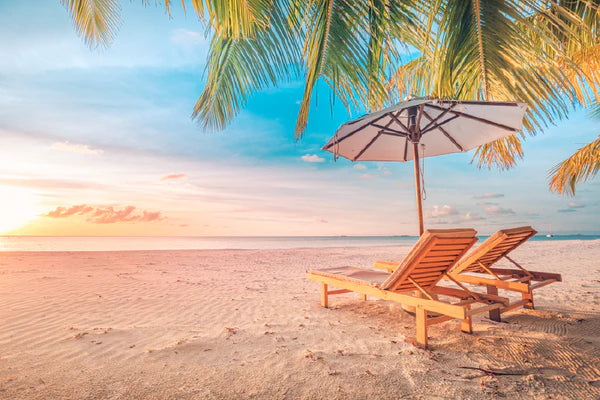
(418, 186)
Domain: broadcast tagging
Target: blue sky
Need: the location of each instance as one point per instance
(111, 129)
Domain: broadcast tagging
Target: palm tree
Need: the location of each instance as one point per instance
(530, 50)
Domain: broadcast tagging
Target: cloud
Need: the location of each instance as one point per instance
(173, 176)
(485, 203)
(442, 211)
(489, 196)
(360, 166)
(321, 220)
(312, 158)
(385, 171)
(566, 210)
(574, 204)
(367, 176)
(471, 217)
(63, 212)
(76, 148)
(106, 215)
(497, 210)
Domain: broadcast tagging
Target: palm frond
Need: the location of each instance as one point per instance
(502, 153)
(595, 111)
(237, 18)
(315, 49)
(581, 166)
(493, 51)
(237, 68)
(95, 20)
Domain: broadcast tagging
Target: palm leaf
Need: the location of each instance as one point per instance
(581, 166)
(98, 20)
(237, 18)
(237, 68)
(95, 20)
(485, 51)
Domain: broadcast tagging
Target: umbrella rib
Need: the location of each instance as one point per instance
(388, 129)
(393, 134)
(452, 118)
(483, 120)
(437, 118)
(330, 145)
(405, 148)
(445, 133)
(395, 118)
(367, 146)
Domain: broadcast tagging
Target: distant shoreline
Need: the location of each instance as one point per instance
(109, 244)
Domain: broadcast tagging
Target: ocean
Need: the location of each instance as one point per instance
(114, 243)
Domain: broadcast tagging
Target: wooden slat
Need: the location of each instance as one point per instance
(514, 305)
(432, 266)
(425, 274)
(542, 283)
(340, 291)
(484, 309)
(433, 258)
(454, 241)
(438, 320)
(450, 253)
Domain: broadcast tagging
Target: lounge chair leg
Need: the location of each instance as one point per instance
(466, 325)
(529, 298)
(363, 297)
(324, 295)
(494, 314)
(421, 315)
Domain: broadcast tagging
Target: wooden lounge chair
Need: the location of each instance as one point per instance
(477, 268)
(414, 281)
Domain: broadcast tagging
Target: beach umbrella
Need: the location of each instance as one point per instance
(424, 127)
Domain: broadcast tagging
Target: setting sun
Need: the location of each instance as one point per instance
(17, 207)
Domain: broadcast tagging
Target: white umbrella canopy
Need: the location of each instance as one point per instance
(424, 127)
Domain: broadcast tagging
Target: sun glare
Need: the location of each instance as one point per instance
(17, 207)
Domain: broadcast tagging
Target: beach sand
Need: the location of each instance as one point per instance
(247, 324)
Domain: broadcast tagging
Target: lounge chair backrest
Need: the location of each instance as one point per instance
(493, 249)
(435, 253)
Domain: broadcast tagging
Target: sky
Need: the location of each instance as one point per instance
(101, 143)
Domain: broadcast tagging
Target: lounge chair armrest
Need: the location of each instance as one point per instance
(538, 276)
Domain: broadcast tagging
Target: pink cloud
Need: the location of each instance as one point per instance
(63, 212)
(173, 176)
(106, 215)
(498, 211)
(489, 196)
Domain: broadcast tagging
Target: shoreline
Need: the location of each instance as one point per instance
(400, 245)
